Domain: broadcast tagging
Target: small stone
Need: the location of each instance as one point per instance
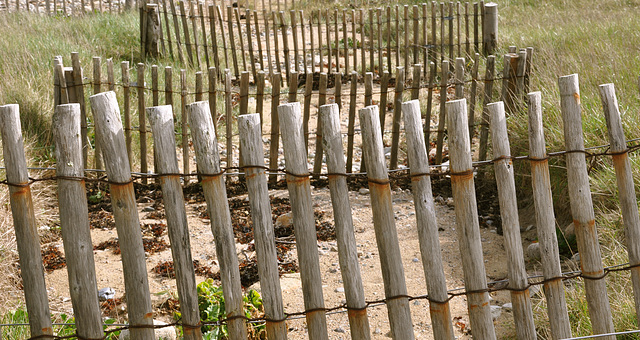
(440, 229)
(450, 201)
(496, 311)
(148, 209)
(333, 270)
(334, 249)
(246, 199)
(377, 331)
(530, 227)
(360, 253)
(106, 294)
(508, 306)
(489, 222)
(339, 330)
(576, 258)
(570, 231)
(415, 259)
(363, 191)
(533, 251)
(416, 303)
(340, 290)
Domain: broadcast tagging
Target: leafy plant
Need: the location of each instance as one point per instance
(212, 309)
(68, 327)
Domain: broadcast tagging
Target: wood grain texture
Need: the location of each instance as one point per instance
(466, 210)
(384, 225)
(546, 222)
(626, 189)
(111, 135)
(162, 125)
(347, 248)
(252, 154)
(213, 186)
(517, 274)
(427, 223)
(395, 127)
(303, 219)
(74, 221)
(24, 223)
(582, 206)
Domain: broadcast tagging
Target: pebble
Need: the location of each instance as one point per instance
(533, 251)
(340, 290)
(377, 331)
(496, 311)
(508, 306)
(415, 259)
(333, 270)
(339, 330)
(363, 191)
(148, 209)
(107, 293)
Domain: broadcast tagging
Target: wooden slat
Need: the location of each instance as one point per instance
(384, 225)
(303, 220)
(582, 207)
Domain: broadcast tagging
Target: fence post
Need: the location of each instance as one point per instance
(427, 223)
(228, 117)
(352, 119)
(464, 198)
(624, 176)
(474, 91)
(79, 92)
(97, 89)
(152, 32)
(395, 128)
(488, 94)
(125, 213)
(322, 99)
(308, 92)
(427, 121)
(459, 78)
(142, 122)
(490, 28)
(274, 145)
(395, 288)
(215, 193)
(250, 130)
(347, 251)
(74, 221)
(24, 222)
(517, 273)
(299, 187)
(444, 83)
(546, 222)
(161, 120)
(582, 207)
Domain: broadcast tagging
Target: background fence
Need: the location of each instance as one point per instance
(331, 40)
(227, 101)
(112, 136)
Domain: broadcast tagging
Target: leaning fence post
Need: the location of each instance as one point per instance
(395, 288)
(24, 221)
(161, 120)
(464, 198)
(426, 222)
(74, 221)
(546, 222)
(582, 207)
(250, 131)
(517, 274)
(624, 176)
(213, 186)
(299, 187)
(347, 251)
(111, 136)
(395, 128)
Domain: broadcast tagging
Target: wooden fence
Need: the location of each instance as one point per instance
(331, 40)
(111, 135)
(227, 101)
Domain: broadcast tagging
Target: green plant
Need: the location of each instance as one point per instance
(66, 325)
(212, 309)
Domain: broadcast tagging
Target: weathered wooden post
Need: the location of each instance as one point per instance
(582, 207)
(24, 222)
(626, 189)
(384, 224)
(464, 198)
(152, 32)
(161, 120)
(546, 222)
(517, 273)
(250, 130)
(111, 135)
(74, 222)
(347, 251)
(490, 28)
(298, 184)
(427, 223)
(215, 193)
